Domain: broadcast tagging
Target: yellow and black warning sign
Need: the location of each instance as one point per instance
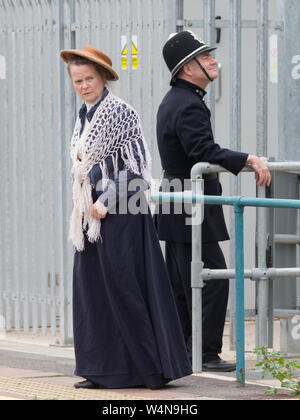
(134, 53)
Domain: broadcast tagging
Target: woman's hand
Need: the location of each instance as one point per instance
(262, 173)
(98, 210)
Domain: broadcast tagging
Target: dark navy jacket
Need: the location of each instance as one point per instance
(185, 137)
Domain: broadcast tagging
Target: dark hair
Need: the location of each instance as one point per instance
(80, 61)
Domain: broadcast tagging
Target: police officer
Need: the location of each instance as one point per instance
(185, 137)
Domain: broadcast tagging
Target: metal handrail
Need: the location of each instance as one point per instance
(238, 203)
(199, 274)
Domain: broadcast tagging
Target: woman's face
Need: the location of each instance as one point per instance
(87, 82)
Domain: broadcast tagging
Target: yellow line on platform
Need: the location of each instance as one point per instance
(46, 390)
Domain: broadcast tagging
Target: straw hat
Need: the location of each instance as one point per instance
(94, 55)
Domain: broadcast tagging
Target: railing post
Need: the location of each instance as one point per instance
(239, 285)
(262, 283)
(196, 274)
(235, 137)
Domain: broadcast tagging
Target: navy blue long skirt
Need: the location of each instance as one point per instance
(127, 331)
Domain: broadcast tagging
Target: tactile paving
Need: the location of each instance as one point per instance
(43, 390)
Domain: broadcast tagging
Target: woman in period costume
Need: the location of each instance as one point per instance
(126, 328)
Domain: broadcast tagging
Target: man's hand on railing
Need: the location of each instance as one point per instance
(262, 173)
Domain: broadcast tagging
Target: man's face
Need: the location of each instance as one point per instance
(209, 64)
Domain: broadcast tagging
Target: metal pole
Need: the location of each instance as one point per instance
(262, 150)
(64, 301)
(179, 15)
(129, 52)
(262, 78)
(239, 269)
(196, 278)
(262, 284)
(298, 256)
(73, 46)
(235, 136)
(209, 14)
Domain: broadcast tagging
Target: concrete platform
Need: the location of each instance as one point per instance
(33, 367)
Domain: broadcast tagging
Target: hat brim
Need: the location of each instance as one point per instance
(190, 57)
(66, 55)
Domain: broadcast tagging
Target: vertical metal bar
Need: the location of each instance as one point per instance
(118, 47)
(42, 136)
(24, 196)
(235, 77)
(283, 121)
(262, 284)
(262, 78)
(72, 21)
(196, 268)
(140, 62)
(108, 26)
(240, 306)
(235, 135)
(2, 148)
(270, 262)
(16, 256)
(4, 205)
(29, 212)
(55, 175)
(150, 77)
(47, 169)
(262, 150)
(209, 14)
(50, 57)
(298, 255)
(109, 30)
(88, 6)
(119, 12)
(172, 16)
(129, 51)
(35, 268)
(63, 190)
(161, 42)
(7, 193)
(179, 15)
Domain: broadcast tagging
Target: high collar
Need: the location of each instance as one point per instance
(181, 83)
(84, 113)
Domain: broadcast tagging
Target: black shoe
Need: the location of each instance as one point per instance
(218, 365)
(160, 386)
(86, 385)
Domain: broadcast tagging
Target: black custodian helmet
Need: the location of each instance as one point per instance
(181, 48)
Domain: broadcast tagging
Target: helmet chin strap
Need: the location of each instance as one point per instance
(203, 69)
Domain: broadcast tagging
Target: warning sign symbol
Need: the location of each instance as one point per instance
(134, 53)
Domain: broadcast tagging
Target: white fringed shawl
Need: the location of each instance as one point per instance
(115, 131)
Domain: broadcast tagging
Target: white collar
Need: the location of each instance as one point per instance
(91, 104)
